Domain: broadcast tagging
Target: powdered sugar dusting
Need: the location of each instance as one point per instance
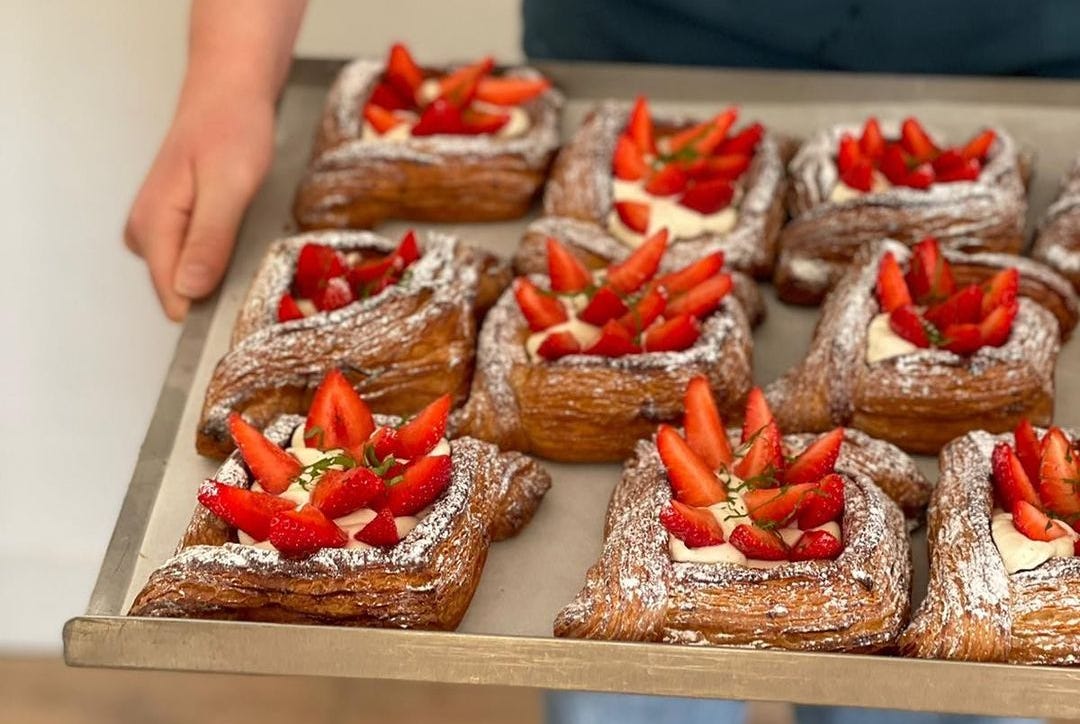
(1058, 240)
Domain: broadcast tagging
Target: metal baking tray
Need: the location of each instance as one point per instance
(506, 635)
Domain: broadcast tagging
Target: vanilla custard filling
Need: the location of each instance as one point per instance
(300, 494)
(428, 91)
(883, 343)
(666, 212)
(842, 192)
(586, 334)
(1020, 553)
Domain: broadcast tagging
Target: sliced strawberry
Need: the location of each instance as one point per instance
(672, 335)
(299, 533)
(381, 531)
(460, 86)
(817, 460)
(963, 307)
(1001, 290)
(978, 147)
(708, 197)
(568, 275)
(1028, 448)
(475, 123)
(288, 310)
(338, 417)
(892, 290)
(640, 126)
(247, 510)
(558, 345)
(380, 119)
(696, 527)
(1059, 476)
(692, 274)
(634, 215)
(997, 326)
(916, 141)
(860, 176)
(962, 339)
(645, 311)
(440, 116)
(510, 91)
(1034, 523)
(408, 251)
(628, 275)
(541, 310)
(730, 167)
(422, 433)
(605, 305)
(763, 462)
(704, 427)
(872, 142)
(668, 181)
(271, 466)
(422, 481)
(692, 480)
(929, 278)
(816, 545)
(848, 154)
(777, 506)
(370, 271)
(614, 341)
(703, 299)
(758, 415)
(948, 160)
(340, 492)
(968, 170)
(1010, 480)
(703, 138)
(894, 164)
(384, 442)
(336, 294)
(628, 162)
(386, 96)
(744, 142)
(920, 177)
(402, 72)
(824, 504)
(758, 543)
(315, 266)
(907, 323)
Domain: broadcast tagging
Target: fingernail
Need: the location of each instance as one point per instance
(193, 280)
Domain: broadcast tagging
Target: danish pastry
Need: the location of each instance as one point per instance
(359, 521)
(622, 178)
(709, 541)
(400, 141)
(1058, 240)
(894, 180)
(399, 319)
(955, 341)
(1004, 573)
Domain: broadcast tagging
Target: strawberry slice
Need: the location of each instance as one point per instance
(402, 72)
(558, 345)
(848, 153)
(383, 442)
(963, 307)
(634, 215)
(316, 265)
(380, 119)
(929, 278)
(371, 277)
(824, 504)
(422, 481)
(967, 170)
(703, 138)
(977, 148)
(645, 311)
(758, 543)
(459, 87)
(692, 480)
(1028, 448)
(703, 299)
(744, 142)
(340, 492)
(962, 339)
(730, 167)
(288, 310)
(299, 533)
(1010, 480)
(816, 545)
(872, 142)
(920, 177)
(509, 90)
(763, 461)
(422, 433)
(675, 334)
(640, 126)
(817, 460)
(605, 305)
(692, 274)
(892, 290)
(916, 141)
(668, 181)
(860, 176)
(541, 310)
(1059, 476)
(1034, 523)
(696, 527)
(269, 464)
(475, 123)
(894, 164)
(614, 341)
(704, 427)
(440, 116)
(948, 160)
(381, 531)
(338, 417)
(997, 326)
(907, 323)
(708, 197)
(1001, 290)
(568, 275)
(336, 294)
(777, 506)
(247, 510)
(386, 96)
(628, 162)
(628, 275)
(758, 415)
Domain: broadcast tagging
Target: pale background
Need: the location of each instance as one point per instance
(86, 91)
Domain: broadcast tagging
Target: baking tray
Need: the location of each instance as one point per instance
(506, 635)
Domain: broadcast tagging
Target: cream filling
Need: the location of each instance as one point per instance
(883, 343)
(1020, 553)
(586, 334)
(307, 307)
(518, 125)
(842, 192)
(666, 212)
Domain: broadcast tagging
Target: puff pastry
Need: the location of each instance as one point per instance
(1058, 240)
(821, 239)
(402, 347)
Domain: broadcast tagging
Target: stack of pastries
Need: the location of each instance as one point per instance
(380, 398)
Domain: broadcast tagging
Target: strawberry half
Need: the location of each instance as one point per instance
(1034, 523)
(696, 527)
(692, 480)
(777, 506)
(558, 345)
(299, 533)
(962, 339)
(892, 290)
(1010, 480)
(894, 164)
(459, 87)
(640, 126)
(907, 323)
(967, 170)
(963, 307)
(336, 294)
(744, 142)
(929, 278)
(509, 90)
(703, 299)
(758, 415)
(288, 310)
(381, 531)
(386, 96)
(997, 326)
(568, 275)
(422, 481)
(848, 154)
(440, 116)
(978, 147)
(872, 142)
(763, 460)
(422, 433)
(668, 181)
(476, 122)
(338, 417)
(541, 310)
(247, 510)
(645, 311)
(315, 266)
(860, 176)
(705, 432)
(729, 167)
(402, 72)
(271, 466)
(614, 341)
(1001, 290)
(672, 335)
(825, 503)
(817, 460)
(1059, 476)
(340, 492)
(634, 215)
(628, 163)
(916, 141)
(758, 543)
(708, 197)
(693, 274)
(1028, 448)
(628, 275)
(815, 545)
(604, 306)
(380, 118)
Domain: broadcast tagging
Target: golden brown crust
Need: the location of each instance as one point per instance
(426, 581)
(401, 348)
(974, 609)
(356, 183)
(1058, 240)
(635, 592)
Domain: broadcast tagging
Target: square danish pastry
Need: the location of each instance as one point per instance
(345, 518)
(578, 365)
(399, 318)
(1004, 573)
(957, 343)
(712, 539)
(1058, 241)
(625, 175)
(449, 144)
(850, 186)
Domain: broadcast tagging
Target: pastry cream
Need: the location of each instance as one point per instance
(586, 334)
(1020, 553)
(842, 192)
(666, 211)
(883, 343)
